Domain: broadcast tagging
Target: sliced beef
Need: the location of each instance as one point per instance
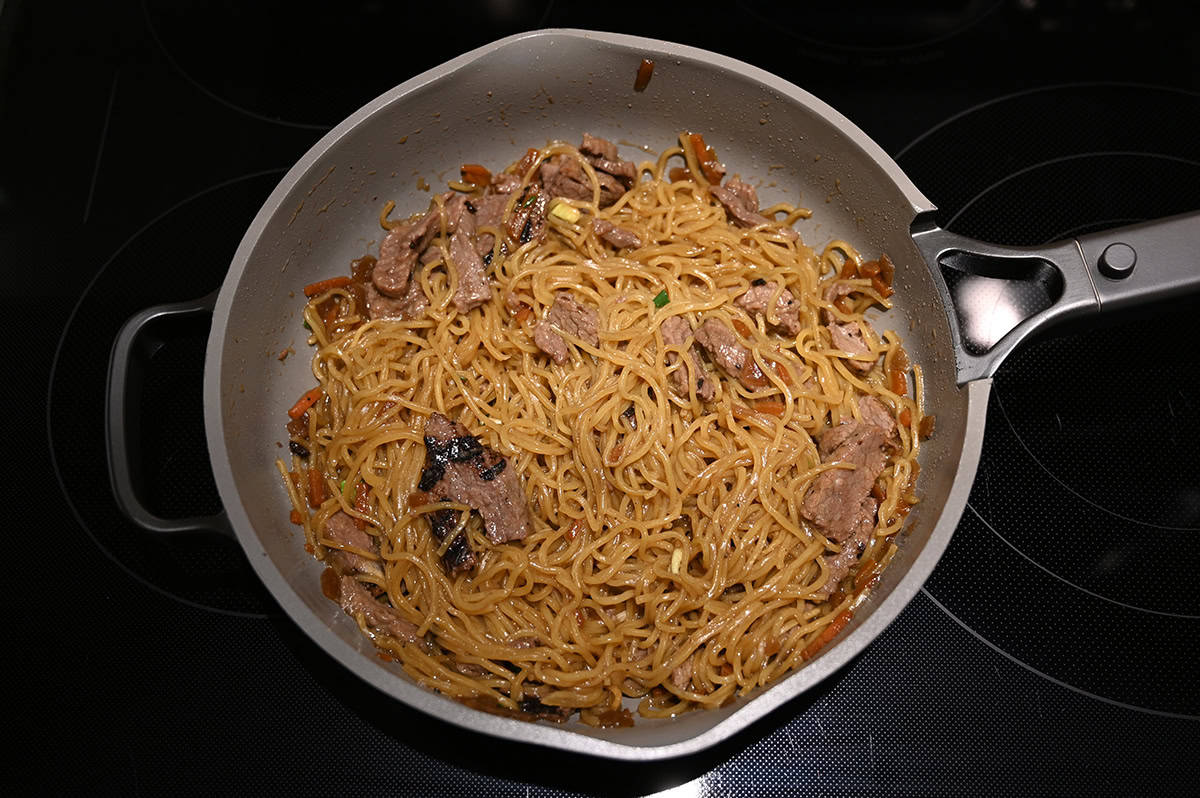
(571, 317)
(835, 500)
(458, 468)
(489, 212)
(848, 337)
(357, 600)
(602, 155)
(528, 220)
(740, 201)
(505, 182)
(741, 205)
(598, 148)
(675, 332)
(619, 237)
(563, 176)
(681, 677)
(876, 412)
(473, 288)
(458, 215)
(723, 348)
(489, 209)
(458, 555)
(839, 564)
(398, 254)
(787, 309)
(410, 306)
(341, 529)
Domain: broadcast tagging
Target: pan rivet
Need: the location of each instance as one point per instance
(1117, 261)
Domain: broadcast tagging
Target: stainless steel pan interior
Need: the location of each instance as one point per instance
(486, 107)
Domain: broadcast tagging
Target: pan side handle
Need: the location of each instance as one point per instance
(997, 296)
(123, 425)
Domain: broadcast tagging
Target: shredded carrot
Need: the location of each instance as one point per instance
(316, 487)
(906, 417)
(706, 156)
(296, 518)
(751, 375)
(849, 269)
(305, 402)
(783, 373)
(644, 72)
(773, 406)
(884, 290)
(677, 173)
(869, 269)
(475, 174)
(866, 575)
(887, 270)
(925, 428)
(741, 327)
(362, 503)
(329, 312)
(896, 381)
(827, 634)
(321, 286)
(527, 161)
(524, 313)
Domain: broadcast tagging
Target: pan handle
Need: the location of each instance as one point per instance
(997, 296)
(122, 425)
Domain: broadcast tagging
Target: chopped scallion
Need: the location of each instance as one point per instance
(661, 299)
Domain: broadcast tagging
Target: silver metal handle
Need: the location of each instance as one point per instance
(122, 427)
(997, 296)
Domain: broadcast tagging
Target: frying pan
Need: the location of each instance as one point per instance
(961, 305)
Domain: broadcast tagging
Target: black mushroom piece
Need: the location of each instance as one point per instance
(459, 468)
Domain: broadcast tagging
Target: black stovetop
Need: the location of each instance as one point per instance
(1048, 653)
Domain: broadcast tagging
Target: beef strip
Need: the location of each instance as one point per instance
(528, 220)
(723, 348)
(834, 502)
(398, 254)
(740, 201)
(848, 337)
(563, 176)
(489, 212)
(571, 317)
(675, 332)
(602, 155)
(873, 411)
(505, 182)
(357, 600)
(681, 676)
(839, 564)
(411, 306)
(340, 528)
(787, 309)
(619, 237)
(458, 215)
(741, 205)
(458, 555)
(473, 287)
(458, 468)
